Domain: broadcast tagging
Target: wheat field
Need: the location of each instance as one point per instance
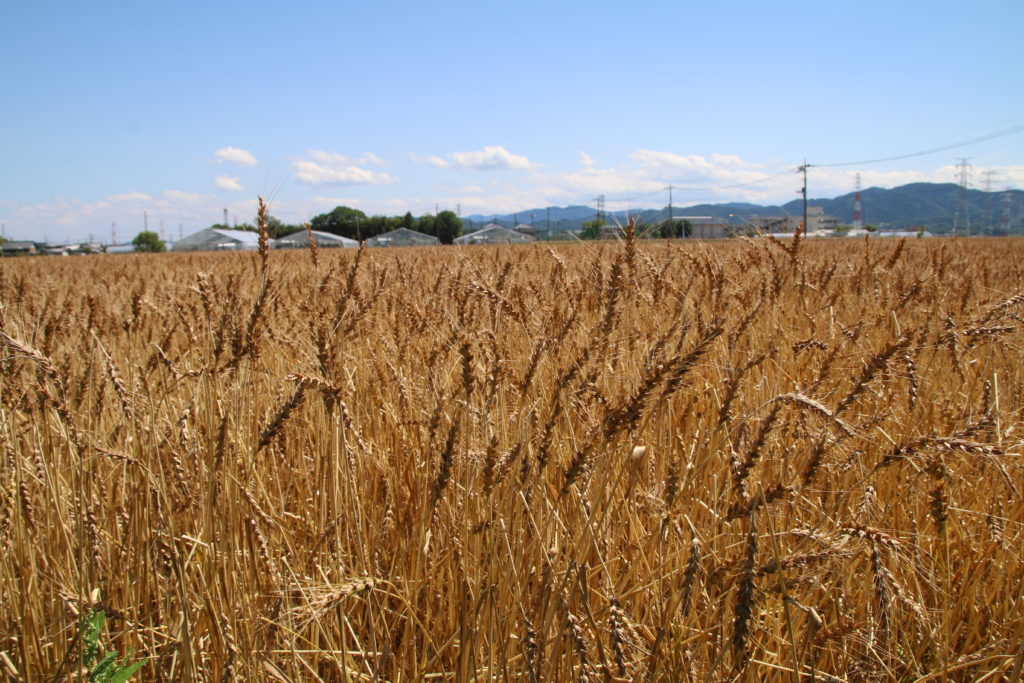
(630, 461)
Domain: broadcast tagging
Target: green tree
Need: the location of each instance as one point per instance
(591, 230)
(408, 221)
(448, 226)
(427, 224)
(343, 220)
(149, 241)
(378, 225)
(277, 228)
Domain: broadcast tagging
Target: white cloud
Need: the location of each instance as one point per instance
(226, 182)
(492, 158)
(129, 197)
(586, 160)
(336, 201)
(233, 155)
(327, 168)
(185, 197)
(493, 203)
(333, 159)
(432, 160)
(606, 180)
(733, 160)
(649, 158)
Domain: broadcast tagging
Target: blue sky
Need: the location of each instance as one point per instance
(113, 110)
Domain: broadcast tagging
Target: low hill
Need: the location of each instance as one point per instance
(933, 205)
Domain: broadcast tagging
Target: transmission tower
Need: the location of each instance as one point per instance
(1004, 222)
(962, 218)
(858, 214)
(988, 199)
(600, 209)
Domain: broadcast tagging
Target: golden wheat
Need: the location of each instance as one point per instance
(636, 461)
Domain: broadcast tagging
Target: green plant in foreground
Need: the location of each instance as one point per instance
(103, 666)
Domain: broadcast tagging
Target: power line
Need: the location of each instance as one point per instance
(708, 188)
(682, 187)
(934, 150)
(759, 181)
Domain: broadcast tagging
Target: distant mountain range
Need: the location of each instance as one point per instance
(933, 205)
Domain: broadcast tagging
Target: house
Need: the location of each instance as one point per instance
(526, 229)
(403, 237)
(18, 248)
(708, 228)
(219, 239)
(51, 249)
(700, 227)
(494, 234)
(300, 240)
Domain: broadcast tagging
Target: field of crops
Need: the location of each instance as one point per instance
(610, 461)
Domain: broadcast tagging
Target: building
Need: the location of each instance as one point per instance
(701, 227)
(817, 222)
(403, 237)
(526, 229)
(219, 239)
(610, 232)
(128, 248)
(773, 224)
(300, 240)
(18, 248)
(72, 248)
(708, 228)
(494, 234)
(904, 233)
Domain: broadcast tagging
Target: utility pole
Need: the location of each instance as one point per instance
(145, 220)
(600, 208)
(113, 232)
(803, 191)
